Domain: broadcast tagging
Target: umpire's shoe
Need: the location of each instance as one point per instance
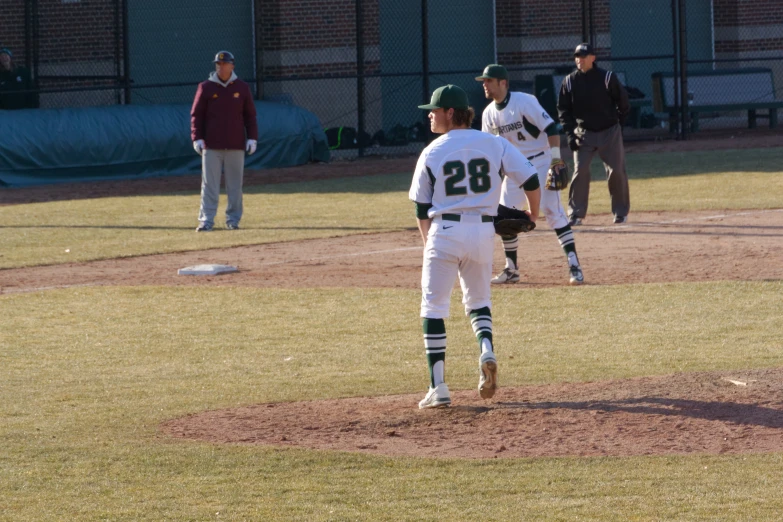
(437, 397)
(508, 275)
(488, 380)
(204, 227)
(576, 275)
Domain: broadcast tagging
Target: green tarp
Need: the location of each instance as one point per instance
(39, 146)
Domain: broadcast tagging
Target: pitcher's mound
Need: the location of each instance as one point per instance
(709, 413)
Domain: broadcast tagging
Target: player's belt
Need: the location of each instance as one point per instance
(457, 217)
(536, 155)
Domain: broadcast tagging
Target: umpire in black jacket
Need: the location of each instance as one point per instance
(592, 106)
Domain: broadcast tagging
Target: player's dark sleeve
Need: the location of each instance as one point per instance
(553, 129)
(197, 113)
(620, 97)
(532, 183)
(422, 209)
(565, 110)
(249, 115)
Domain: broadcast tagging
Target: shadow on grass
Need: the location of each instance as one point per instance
(750, 414)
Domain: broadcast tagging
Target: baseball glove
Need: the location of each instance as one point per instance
(510, 222)
(557, 177)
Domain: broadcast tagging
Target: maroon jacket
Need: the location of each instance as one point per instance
(221, 115)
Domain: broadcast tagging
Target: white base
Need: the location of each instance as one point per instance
(207, 270)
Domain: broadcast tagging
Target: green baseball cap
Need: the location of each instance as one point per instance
(448, 97)
(493, 71)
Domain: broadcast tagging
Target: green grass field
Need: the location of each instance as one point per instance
(88, 374)
(41, 233)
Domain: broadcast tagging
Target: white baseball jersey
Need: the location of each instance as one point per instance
(461, 172)
(522, 121)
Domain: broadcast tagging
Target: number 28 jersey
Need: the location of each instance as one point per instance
(462, 171)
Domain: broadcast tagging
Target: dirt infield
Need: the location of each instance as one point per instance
(709, 413)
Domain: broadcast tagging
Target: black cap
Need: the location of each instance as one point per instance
(224, 56)
(583, 49)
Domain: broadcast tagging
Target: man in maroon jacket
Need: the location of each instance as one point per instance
(222, 126)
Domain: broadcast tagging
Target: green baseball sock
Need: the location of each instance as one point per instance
(435, 348)
(481, 321)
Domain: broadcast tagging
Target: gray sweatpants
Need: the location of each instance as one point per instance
(215, 163)
(609, 146)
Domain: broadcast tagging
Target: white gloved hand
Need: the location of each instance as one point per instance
(198, 146)
(250, 147)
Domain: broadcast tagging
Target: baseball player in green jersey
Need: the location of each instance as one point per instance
(456, 188)
(520, 119)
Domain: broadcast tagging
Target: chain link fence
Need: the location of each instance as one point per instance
(362, 66)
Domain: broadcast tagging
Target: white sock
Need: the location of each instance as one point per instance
(437, 372)
(486, 345)
(510, 264)
(572, 260)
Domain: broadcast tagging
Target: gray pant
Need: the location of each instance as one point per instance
(230, 163)
(609, 146)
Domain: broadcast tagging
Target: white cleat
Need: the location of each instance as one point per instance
(488, 379)
(576, 275)
(437, 397)
(507, 276)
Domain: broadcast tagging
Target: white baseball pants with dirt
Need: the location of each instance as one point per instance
(513, 196)
(214, 164)
(457, 249)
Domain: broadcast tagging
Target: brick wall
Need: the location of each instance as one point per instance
(314, 37)
(78, 31)
(747, 12)
(748, 26)
(530, 36)
(12, 30)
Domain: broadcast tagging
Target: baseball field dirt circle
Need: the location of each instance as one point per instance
(694, 413)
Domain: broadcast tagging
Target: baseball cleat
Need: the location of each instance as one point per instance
(204, 227)
(506, 276)
(576, 275)
(488, 380)
(575, 221)
(232, 226)
(437, 397)
(619, 220)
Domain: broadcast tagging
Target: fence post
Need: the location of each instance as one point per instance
(684, 71)
(118, 46)
(360, 76)
(425, 64)
(585, 29)
(675, 72)
(126, 52)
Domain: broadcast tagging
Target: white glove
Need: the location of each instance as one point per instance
(198, 146)
(250, 147)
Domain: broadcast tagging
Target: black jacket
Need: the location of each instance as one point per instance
(595, 101)
(11, 83)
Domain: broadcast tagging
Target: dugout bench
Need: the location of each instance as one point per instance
(547, 89)
(722, 90)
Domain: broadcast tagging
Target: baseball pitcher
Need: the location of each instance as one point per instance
(456, 188)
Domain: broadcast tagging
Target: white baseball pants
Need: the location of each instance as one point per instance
(457, 248)
(551, 206)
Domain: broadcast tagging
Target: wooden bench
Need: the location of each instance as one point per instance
(547, 89)
(722, 90)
